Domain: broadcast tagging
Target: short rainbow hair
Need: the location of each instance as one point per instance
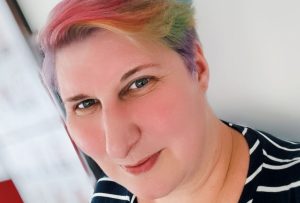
(168, 21)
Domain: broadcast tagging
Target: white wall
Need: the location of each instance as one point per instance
(252, 48)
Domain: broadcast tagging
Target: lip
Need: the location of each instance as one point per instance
(143, 165)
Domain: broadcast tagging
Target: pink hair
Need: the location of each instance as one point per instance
(168, 21)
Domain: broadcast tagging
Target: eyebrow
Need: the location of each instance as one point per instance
(76, 98)
(124, 77)
(137, 69)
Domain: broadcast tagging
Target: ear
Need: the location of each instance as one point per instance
(201, 67)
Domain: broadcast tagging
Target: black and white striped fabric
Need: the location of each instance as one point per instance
(274, 169)
(273, 174)
(108, 191)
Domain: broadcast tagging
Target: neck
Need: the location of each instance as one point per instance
(224, 171)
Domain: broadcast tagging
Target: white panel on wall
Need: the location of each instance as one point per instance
(36, 12)
(35, 150)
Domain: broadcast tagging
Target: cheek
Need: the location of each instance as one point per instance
(170, 113)
(87, 136)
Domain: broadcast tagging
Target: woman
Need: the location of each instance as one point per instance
(133, 79)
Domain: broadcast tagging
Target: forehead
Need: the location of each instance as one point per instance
(106, 46)
(105, 55)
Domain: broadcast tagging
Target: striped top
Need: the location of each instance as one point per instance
(273, 174)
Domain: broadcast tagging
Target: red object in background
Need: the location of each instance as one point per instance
(9, 193)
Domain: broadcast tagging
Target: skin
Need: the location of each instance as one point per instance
(125, 122)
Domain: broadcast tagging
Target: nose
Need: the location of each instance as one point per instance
(121, 133)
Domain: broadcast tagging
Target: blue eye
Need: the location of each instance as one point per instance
(86, 103)
(139, 86)
(139, 83)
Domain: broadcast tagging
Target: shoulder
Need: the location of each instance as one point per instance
(276, 151)
(274, 169)
(279, 180)
(108, 191)
(272, 147)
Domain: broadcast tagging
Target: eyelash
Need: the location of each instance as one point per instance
(145, 80)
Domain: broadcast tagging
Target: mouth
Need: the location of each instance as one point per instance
(143, 165)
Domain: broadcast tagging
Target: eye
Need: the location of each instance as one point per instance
(139, 87)
(86, 103)
(139, 83)
(87, 106)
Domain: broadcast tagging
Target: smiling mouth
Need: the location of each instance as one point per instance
(142, 166)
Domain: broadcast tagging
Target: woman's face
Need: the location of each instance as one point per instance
(136, 110)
